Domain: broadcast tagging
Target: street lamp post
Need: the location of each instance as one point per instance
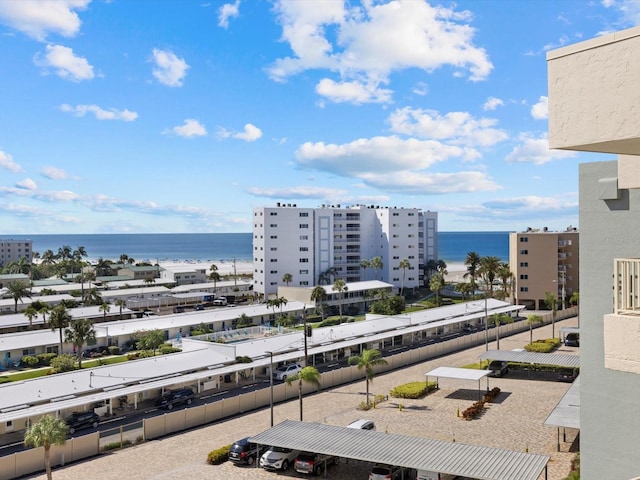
(271, 385)
(486, 323)
(304, 318)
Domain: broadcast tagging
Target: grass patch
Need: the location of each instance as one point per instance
(104, 361)
(25, 375)
(477, 366)
(412, 390)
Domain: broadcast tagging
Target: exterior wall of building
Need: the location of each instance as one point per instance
(541, 262)
(594, 91)
(12, 250)
(309, 242)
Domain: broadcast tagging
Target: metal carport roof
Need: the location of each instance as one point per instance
(533, 358)
(473, 461)
(567, 411)
(460, 374)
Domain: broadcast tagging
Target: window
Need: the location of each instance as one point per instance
(273, 249)
(524, 277)
(273, 214)
(273, 272)
(396, 279)
(304, 272)
(524, 264)
(304, 225)
(273, 237)
(524, 289)
(304, 283)
(304, 237)
(273, 283)
(395, 214)
(304, 249)
(304, 214)
(304, 260)
(274, 225)
(524, 252)
(396, 257)
(524, 239)
(273, 260)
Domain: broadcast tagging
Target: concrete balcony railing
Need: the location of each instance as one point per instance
(626, 288)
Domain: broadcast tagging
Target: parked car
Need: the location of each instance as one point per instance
(498, 368)
(468, 328)
(309, 462)
(175, 397)
(384, 472)
(278, 458)
(572, 340)
(244, 452)
(363, 424)
(78, 420)
(285, 371)
(567, 374)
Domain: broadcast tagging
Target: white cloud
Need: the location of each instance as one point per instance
(190, 128)
(65, 63)
(6, 162)
(226, 11)
(629, 11)
(54, 173)
(100, 114)
(418, 183)
(27, 184)
(421, 89)
(457, 127)
(540, 110)
(290, 193)
(169, 69)
(38, 18)
(536, 150)
(251, 133)
(353, 92)
(368, 43)
(492, 103)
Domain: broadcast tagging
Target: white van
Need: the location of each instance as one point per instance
(424, 475)
(363, 424)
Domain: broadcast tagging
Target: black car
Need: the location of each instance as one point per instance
(498, 368)
(572, 340)
(244, 452)
(567, 374)
(78, 420)
(175, 397)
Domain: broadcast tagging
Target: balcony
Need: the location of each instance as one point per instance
(622, 328)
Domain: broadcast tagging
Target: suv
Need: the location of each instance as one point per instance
(245, 453)
(498, 368)
(78, 420)
(384, 472)
(309, 462)
(572, 340)
(567, 374)
(175, 397)
(285, 371)
(278, 458)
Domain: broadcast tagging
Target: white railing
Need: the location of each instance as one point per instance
(626, 274)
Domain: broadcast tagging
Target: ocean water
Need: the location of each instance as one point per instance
(453, 246)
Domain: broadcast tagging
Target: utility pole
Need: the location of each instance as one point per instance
(306, 334)
(486, 322)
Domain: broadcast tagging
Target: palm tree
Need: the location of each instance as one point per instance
(79, 332)
(367, 361)
(364, 264)
(92, 297)
(441, 266)
(488, 270)
(436, 283)
(376, 264)
(18, 290)
(47, 431)
(404, 264)
(60, 319)
(48, 257)
(287, 278)
(103, 267)
(44, 309)
(505, 276)
(552, 304)
(214, 275)
(473, 263)
(105, 308)
(340, 287)
(319, 295)
(307, 375)
(31, 313)
(531, 320)
(121, 303)
(498, 319)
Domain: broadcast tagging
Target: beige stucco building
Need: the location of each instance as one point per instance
(594, 105)
(544, 261)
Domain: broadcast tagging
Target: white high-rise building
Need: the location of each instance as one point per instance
(311, 244)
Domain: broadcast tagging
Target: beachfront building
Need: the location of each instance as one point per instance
(594, 93)
(12, 250)
(303, 247)
(544, 261)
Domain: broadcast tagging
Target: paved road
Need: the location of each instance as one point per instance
(516, 422)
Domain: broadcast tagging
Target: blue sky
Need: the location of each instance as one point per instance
(182, 116)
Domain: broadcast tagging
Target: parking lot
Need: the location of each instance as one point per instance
(514, 422)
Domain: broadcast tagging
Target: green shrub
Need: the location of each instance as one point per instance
(412, 390)
(218, 456)
(329, 322)
(165, 349)
(116, 445)
(313, 318)
(29, 361)
(540, 347)
(114, 350)
(244, 359)
(63, 363)
(45, 358)
(364, 406)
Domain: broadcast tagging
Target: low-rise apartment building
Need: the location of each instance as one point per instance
(12, 250)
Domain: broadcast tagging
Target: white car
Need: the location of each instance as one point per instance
(277, 458)
(285, 371)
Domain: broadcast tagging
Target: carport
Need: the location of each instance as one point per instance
(473, 461)
(459, 374)
(566, 413)
(533, 358)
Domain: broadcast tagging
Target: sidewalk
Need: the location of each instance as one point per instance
(516, 422)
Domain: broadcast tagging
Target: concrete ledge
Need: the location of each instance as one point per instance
(621, 339)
